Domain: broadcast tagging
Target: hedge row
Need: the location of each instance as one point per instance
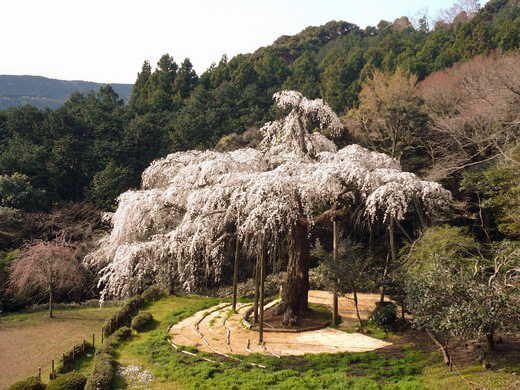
(70, 381)
(123, 316)
(103, 373)
(104, 370)
(30, 383)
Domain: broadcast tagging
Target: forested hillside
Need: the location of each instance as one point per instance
(441, 100)
(42, 92)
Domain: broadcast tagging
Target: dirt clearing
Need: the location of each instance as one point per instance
(217, 330)
(35, 340)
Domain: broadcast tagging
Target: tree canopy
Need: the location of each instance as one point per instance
(177, 227)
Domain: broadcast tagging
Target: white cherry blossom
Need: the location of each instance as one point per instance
(176, 229)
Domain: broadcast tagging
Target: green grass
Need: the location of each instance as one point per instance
(154, 344)
(370, 329)
(83, 364)
(408, 369)
(438, 376)
(153, 352)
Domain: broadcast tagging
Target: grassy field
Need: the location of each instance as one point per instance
(149, 361)
(31, 340)
(154, 359)
(156, 365)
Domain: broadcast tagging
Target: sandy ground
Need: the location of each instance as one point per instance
(25, 347)
(213, 331)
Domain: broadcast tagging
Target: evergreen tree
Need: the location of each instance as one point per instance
(185, 80)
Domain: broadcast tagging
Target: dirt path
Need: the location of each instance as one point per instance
(214, 330)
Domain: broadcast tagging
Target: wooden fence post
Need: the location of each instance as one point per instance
(335, 312)
(53, 373)
(261, 306)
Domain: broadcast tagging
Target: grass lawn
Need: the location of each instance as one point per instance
(151, 355)
(151, 352)
(151, 362)
(31, 340)
(438, 376)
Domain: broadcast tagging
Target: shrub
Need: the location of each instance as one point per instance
(31, 383)
(70, 381)
(153, 293)
(121, 334)
(384, 314)
(141, 321)
(122, 317)
(103, 372)
(104, 363)
(106, 347)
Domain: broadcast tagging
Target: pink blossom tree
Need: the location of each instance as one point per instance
(47, 269)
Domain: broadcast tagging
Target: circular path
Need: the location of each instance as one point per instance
(220, 331)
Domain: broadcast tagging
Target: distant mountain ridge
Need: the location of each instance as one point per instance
(43, 92)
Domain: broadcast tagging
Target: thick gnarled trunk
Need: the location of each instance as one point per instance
(296, 290)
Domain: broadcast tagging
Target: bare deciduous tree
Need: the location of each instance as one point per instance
(460, 12)
(389, 118)
(474, 112)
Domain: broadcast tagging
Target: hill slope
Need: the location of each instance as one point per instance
(43, 92)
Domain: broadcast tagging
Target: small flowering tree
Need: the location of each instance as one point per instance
(47, 269)
(177, 228)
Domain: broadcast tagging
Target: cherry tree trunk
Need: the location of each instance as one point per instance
(50, 302)
(295, 292)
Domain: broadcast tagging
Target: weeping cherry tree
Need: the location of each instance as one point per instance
(182, 225)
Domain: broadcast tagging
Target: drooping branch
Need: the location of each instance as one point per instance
(259, 198)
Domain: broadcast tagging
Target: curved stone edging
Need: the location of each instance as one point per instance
(288, 330)
(233, 338)
(254, 327)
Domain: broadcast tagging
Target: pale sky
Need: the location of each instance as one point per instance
(107, 41)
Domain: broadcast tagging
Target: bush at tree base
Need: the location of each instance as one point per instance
(31, 383)
(152, 293)
(141, 321)
(70, 381)
(384, 314)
